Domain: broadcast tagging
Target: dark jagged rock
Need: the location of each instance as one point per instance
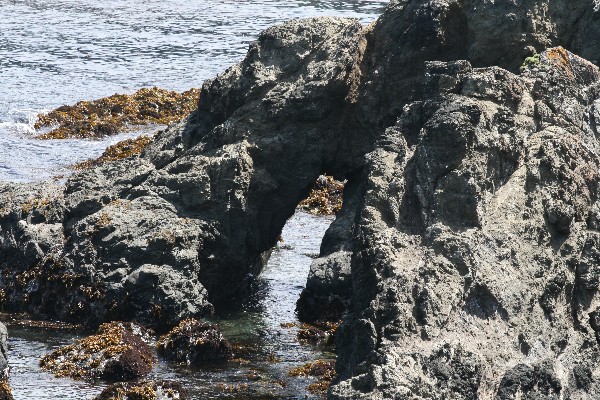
(117, 352)
(195, 343)
(466, 251)
(193, 219)
(144, 390)
(480, 258)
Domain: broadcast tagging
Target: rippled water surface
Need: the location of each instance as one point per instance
(55, 52)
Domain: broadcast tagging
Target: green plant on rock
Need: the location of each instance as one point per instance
(531, 62)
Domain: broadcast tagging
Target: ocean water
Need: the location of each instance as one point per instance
(55, 52)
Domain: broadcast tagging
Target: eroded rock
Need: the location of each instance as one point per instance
(465, 257)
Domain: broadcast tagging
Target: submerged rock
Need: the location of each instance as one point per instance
(322, 370)
(116, 353)
(195, 343)
(144, 390)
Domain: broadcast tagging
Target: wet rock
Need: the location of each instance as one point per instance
(323, 370)
(5, 391)
(116, 353)
(123, 149)
(111, 115)
(195, 343)
(329, 285)
(144, 390)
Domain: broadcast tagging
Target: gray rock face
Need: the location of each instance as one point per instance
(487, 33)
(467, 247)
(473, 274)
(189, 223)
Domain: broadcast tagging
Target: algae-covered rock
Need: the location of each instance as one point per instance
(116, 352)
(325, 198)
(5, 391)
(118, 151)
(110, 115)
(322, 370)
(195, 343)
(144, 390)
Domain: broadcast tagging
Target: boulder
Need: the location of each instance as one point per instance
(195, 343)
(474, 266)
(117, 352)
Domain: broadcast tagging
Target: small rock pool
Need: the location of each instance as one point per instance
(263, 330)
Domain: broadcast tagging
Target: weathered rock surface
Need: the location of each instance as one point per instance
(164, 236)
(473, 274)
(466, 250)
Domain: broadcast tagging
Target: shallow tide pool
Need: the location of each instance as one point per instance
(270, 350)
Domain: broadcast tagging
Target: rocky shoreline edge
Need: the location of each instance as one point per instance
(465, 258)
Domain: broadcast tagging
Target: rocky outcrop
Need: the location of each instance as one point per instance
(475, 256)
(465, 253)
(186, 225)
(195, 343)
(117, 352)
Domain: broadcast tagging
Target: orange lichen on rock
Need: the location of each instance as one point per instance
(113, 114)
